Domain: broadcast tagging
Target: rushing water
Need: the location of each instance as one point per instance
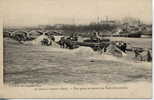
(52, 65)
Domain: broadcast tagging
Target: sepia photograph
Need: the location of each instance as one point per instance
(78, 43)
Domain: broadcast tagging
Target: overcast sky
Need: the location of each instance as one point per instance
(35, 12)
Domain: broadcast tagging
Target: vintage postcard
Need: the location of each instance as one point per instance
(76, 49)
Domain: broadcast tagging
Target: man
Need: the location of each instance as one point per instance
(137, 52)
(149, 56)
(124, 47)
(62, 42)
(46, 42)
(74, 37)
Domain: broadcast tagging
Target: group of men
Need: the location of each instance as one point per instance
(142, 55)
(68, 42)
(121, 45)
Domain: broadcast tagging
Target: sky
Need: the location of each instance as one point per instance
(40, 12)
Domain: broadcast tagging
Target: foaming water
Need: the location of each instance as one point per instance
(53, 65)
(92, 55)
(81, 51)
(57, 38)
(84, 51)
(125, 60)
(88, 53)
